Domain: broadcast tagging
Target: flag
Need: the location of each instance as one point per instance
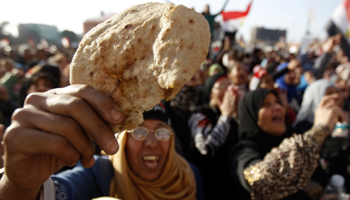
(340, 23)
(232, 20)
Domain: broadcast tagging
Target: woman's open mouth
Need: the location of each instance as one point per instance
(277, 118)
(151, 161)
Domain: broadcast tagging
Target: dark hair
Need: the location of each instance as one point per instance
(208, 85)
(29, 81)
(158, 112)
(52, 70)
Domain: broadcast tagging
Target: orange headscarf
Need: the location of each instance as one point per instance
(176, 181)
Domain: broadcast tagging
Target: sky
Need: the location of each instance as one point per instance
(290, 15)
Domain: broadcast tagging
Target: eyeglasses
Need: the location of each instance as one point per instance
(140, 133)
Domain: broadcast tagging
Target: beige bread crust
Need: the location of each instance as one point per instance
(141, 56)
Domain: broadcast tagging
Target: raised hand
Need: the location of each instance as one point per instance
(328, 112)
(54, 129)
(229, 104)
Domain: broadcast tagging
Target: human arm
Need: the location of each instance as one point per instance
(222, 9)
(288, 167)
(294, 63)
(272, 67)
(82, 183)
(52, 130)
(321, 65)
(322, 61)
(210, 139)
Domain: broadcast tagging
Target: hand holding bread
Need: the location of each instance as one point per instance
(122, 67)
(141, 56)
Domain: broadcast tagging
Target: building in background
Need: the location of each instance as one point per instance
(267, 37)
(34, 34)
(39, 33)
(92, 22)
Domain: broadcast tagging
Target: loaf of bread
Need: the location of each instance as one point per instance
(141, 56)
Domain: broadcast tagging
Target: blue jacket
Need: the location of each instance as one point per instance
(82, 183)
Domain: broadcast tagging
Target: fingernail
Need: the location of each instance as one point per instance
(72, 165)
(116, 114)
(112, 146)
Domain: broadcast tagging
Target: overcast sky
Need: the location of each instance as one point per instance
(274, 14)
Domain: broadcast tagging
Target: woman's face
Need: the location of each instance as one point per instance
(271, 116)
(41, 85)
(218, 91)
(267, 82)
(238, 75)
(148, 157)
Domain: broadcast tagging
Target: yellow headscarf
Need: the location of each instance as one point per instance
(176, 181)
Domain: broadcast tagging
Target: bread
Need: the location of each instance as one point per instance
(141, 56)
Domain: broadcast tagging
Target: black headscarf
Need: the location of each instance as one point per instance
(208, 86)
(158, 112)
(252, 147)
(248, 112)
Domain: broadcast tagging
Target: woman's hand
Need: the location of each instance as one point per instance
(229, 105)
(328, 112)
(54, 129)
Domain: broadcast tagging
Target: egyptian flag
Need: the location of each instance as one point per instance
(340, 23)
(232, 20)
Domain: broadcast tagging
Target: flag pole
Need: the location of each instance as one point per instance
(309, 20)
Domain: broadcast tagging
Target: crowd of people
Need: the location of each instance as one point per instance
(248, 125)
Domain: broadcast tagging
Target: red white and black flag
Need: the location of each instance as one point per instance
(340, 23)
(232, 20)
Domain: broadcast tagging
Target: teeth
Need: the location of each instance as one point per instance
(278, 116)
(151, 164)
(151, 157)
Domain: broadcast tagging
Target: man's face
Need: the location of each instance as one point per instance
(290, 78)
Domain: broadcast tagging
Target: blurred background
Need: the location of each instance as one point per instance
(64, 22)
